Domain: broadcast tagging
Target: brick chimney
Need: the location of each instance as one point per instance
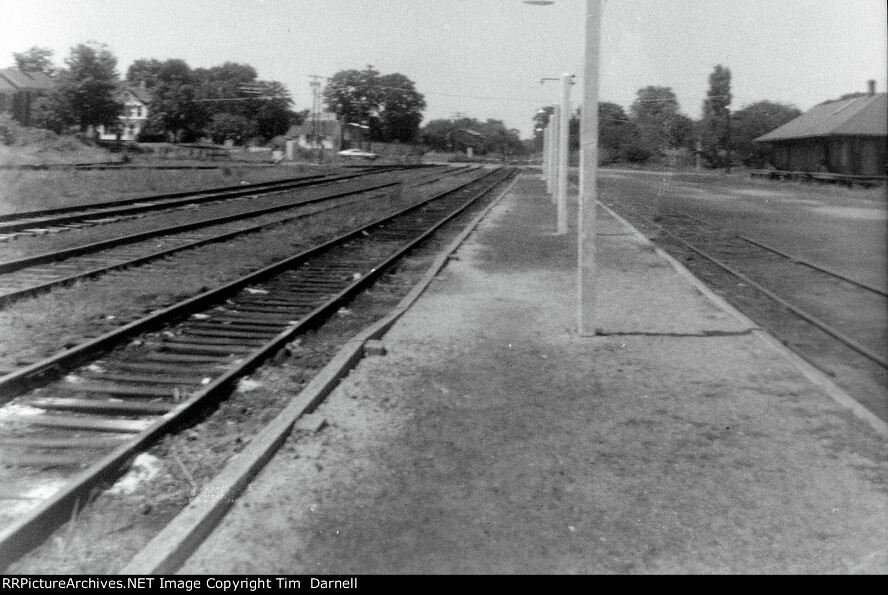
(872, 86)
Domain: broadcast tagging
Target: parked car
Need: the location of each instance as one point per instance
(357, 154)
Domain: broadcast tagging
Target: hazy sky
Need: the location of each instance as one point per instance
(485, 58)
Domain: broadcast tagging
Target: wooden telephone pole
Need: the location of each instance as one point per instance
(315, 106)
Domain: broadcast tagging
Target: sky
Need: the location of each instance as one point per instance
(485, 58)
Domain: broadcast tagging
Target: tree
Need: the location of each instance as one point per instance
(497, 138)
(230, 126)
(187, 102)
(436, 134)
(353, 95)
(716, 124)
(174, 108)
(401, 107)
(656, 118)
(144, 70)
(753, 121)
(86, 95)
(51, 113)
(36, 59)
(389, 104)
(485, 138)
(227, 88)
(613, 132)
(273, 116)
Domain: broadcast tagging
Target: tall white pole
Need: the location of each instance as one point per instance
(589, 190)
(548, 164)
(556, 150)
(545, 160)
(563, 152)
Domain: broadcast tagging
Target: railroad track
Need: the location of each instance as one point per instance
(73, 420)
(33, 223)
(24, 277)
(811, 309)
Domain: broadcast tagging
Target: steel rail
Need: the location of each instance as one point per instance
(11, 297)
(790, 257)
(37, 525)
(18, 381)
(816, 267)
(60, 217)
(52, 257)
(836, 334)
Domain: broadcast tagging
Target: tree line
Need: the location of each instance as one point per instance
(230, 102)
(222, 102)
(655, 131)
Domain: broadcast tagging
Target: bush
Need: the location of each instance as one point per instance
(637, 154)
(8, 130)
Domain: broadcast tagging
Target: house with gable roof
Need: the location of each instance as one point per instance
(136, 101)
(19, 90)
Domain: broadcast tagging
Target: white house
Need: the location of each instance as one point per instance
(134, 116)
(323, 132)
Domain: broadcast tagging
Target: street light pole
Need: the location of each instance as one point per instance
(545, 153)
(564, 152)
(589, 168)
(555, 122)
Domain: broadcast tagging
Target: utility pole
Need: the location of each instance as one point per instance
(315, 104)
(728, 143)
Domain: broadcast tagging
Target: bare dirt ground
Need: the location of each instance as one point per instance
(491, 439)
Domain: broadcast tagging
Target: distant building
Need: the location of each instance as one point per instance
(19, 90)
(323, 132)
(842, 137)
(134, 117)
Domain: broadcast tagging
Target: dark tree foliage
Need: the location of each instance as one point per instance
(86, 95)
(233, 89)
(273, 115)
(401, 108)
(490, 138)
(498, 139)
(753, 121)
(228, 88)
(223, 102)
(51, 113)
(144, 71)
(230, 126)
(389, 104)
(658, 125)
(614, 132)
(36, 59)
(173, 108)
(716, 124)
(437, 134)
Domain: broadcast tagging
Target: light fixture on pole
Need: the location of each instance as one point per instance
(588, 169)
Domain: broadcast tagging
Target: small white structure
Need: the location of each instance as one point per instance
(321, 132)
(134, 116)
